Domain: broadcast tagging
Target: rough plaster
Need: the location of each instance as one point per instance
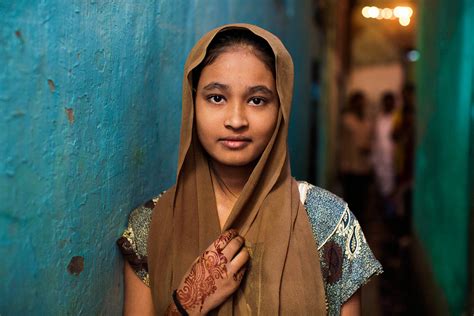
(89, 127)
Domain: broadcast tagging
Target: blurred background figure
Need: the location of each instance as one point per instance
(393, 164)
(382, 153)
(355, 147)
(404, 138)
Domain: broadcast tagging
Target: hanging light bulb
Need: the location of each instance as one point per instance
(365, 12)
(374, 12)
(404, 21)
(387, 13)
(403, 14)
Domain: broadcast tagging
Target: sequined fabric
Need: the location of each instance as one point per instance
(346, 260)
(133, 242)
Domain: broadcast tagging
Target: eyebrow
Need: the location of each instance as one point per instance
(216, 85)
(251, 90)
(261, 89)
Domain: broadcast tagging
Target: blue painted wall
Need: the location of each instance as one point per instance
(89, 121)
(445, 101)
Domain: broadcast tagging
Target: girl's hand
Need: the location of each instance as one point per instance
(214, 275)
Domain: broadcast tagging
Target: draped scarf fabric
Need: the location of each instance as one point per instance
(284, 275)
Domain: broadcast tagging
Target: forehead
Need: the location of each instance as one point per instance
(235, 65)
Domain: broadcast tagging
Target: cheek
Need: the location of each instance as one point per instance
(200, 127)
(205, 125)
(268, 125)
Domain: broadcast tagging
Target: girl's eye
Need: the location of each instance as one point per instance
(218, 99)
(256, 101)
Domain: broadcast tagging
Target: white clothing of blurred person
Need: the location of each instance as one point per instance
(383, 147)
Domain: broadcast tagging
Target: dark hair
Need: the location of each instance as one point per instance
(388, 102)
(356, 104)
(388, 97)
(236, 38)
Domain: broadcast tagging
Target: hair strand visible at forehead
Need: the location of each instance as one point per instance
(236, 38)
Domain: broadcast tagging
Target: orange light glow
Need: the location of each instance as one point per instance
(403, 14)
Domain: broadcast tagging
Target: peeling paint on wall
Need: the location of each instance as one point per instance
(19, 36)
(76, 265)
(52, 86)
(70, 115)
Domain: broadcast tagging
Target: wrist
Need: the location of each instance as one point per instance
(177, 304)
(172, 310)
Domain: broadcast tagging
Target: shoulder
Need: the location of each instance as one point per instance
(134, 240)
(141, 215)
(139, 224)
(325, 210)
(346, 260)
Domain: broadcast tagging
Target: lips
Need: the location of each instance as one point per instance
(235, 142)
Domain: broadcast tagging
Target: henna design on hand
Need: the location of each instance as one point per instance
(239, 276)
(200, 283)
(224, 239)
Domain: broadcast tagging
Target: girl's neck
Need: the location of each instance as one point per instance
(229, 181)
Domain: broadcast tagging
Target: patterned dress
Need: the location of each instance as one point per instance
(346, 260)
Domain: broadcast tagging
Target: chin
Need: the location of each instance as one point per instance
(236, 162)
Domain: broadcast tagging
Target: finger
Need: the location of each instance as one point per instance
(221, 242)
(238, 276)
(233, 247)
(239, 261)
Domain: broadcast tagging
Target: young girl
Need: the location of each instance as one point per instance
(237, 234)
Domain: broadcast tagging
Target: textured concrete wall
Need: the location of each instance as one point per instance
(445, 102)
(89, 127)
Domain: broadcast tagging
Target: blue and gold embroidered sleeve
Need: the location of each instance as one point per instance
(134, 240)
(346, 260)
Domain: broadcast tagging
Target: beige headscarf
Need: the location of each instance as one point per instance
(284, 275)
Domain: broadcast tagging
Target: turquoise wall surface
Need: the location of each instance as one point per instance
(89, 124)
(445, 102)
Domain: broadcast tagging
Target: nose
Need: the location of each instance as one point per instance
(236, 117)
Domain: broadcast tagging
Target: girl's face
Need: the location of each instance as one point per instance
(236, 107)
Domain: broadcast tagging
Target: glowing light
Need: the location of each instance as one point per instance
(387, 13)
(374, 12)
(365, 12)
(413, 55)
(403, 14)
(404, 21)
